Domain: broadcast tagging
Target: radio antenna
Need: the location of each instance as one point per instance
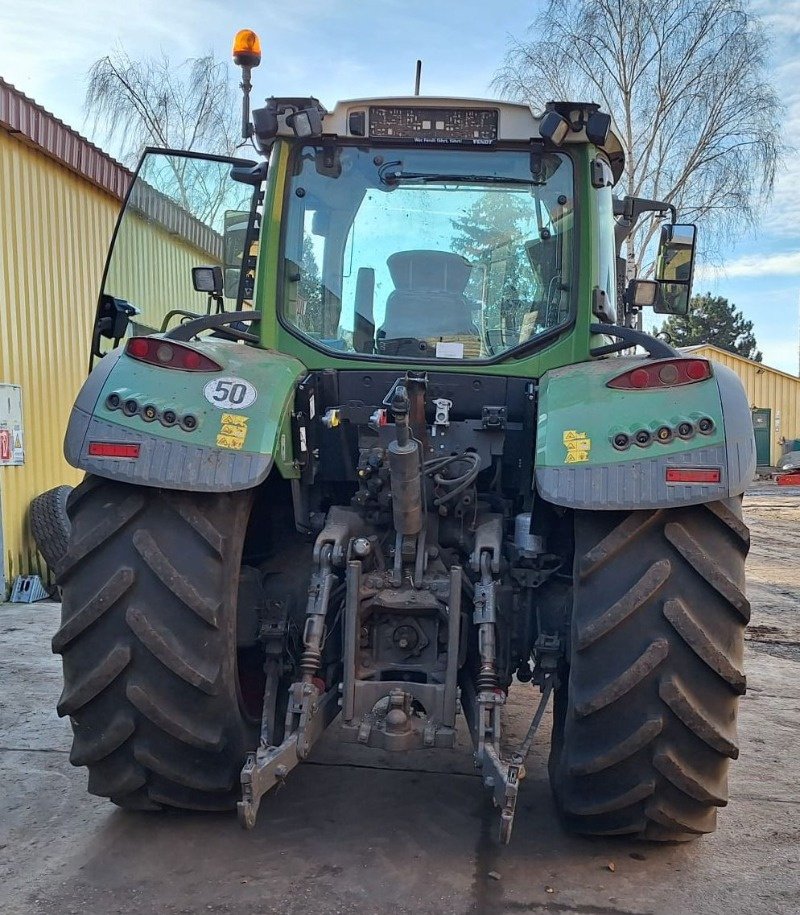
(417, 77)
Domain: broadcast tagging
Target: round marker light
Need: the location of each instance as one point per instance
(149, 413)
(165, 352)
(697, 370)
(664, 434)
(138, 347)
(668, 374)
(639, 378)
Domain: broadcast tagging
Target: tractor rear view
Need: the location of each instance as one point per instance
(363, 443)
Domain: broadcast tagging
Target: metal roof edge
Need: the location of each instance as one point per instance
(21, 116)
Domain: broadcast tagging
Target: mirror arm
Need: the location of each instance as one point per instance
(630, 209)
(656, 349)
(192, 328)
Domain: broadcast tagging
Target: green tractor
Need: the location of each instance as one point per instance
(374, 433)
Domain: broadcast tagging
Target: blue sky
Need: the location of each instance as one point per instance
(349, 48)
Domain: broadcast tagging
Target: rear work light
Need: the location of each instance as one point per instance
(693, 475)
(113, 450)
(169, 355)
(665, 373)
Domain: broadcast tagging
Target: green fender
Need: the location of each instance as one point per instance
(230, 426)
(578, 466)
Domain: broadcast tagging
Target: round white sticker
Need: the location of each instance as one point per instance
(230, 393)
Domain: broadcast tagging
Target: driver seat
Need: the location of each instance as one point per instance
(428, 301)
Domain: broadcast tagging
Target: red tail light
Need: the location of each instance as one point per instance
(664, 373)
(693, 474)
(113, 450)
(169, 355)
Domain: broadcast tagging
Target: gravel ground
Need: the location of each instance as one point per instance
(347, 836)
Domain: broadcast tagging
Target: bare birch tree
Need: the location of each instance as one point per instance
(686, 83)
(154, 102)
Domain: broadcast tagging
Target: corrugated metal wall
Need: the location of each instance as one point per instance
(766, 388)
(54, 232)
(155, 292)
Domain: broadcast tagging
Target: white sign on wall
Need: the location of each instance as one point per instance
(12, 436)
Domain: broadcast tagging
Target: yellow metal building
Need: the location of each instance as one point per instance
(774, 398)
(59, 198)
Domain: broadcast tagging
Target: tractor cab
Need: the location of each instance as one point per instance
(403, 230)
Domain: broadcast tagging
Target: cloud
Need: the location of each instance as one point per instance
(780, 354)
(766, 265)
(782, 19)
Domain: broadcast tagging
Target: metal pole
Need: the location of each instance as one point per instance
(246, 86)
(417, 77)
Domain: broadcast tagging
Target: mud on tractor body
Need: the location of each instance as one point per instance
(363, 443)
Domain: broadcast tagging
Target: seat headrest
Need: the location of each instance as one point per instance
(429, 271)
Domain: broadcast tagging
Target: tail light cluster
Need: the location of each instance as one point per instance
(169, 355)
(663, 435)
(664, 373)
(131, 407)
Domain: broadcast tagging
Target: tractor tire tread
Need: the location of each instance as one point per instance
(645, 721)
(149, 652)
(93, 609)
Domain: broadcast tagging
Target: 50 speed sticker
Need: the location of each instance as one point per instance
(227, 393)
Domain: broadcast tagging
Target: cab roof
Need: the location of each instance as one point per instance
(435, 120)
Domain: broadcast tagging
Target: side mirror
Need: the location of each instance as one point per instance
(208, 280)
(675, 268)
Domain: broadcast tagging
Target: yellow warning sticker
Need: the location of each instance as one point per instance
(576, 457)
(232, 431)
(578, 445)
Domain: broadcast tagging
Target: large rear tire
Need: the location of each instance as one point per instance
(645, 724)
(149, 644)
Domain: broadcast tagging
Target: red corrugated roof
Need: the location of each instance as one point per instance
(43, 130)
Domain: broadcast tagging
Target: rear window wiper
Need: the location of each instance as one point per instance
(389, 177)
